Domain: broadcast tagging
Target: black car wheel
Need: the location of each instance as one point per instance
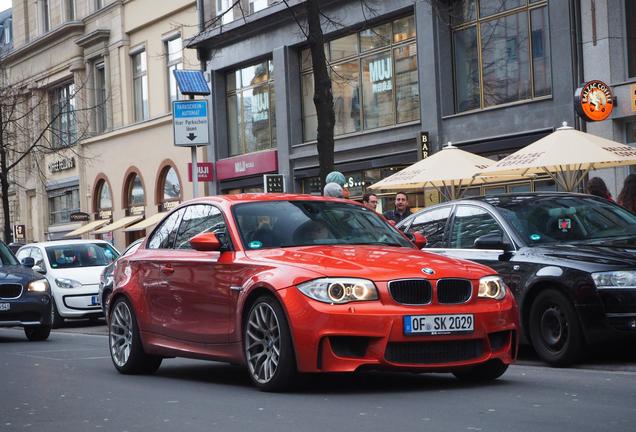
(56, 319)
(37, 333)
(126, 350)
(488, 371)
(554, 329)
(268, 346)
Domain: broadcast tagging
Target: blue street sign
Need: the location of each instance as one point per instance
(190, 122)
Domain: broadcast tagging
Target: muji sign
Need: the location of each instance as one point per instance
(205, 171)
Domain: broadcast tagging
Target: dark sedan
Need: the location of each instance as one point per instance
(25, 297)
(570, 260)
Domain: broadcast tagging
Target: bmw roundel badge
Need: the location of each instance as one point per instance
(428, 271)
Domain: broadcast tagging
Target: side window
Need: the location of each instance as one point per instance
(469, 223)
(200, 218)
(163, 237)
(23, 253)
(431, 224)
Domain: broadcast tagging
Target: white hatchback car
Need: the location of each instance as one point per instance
(72, 268)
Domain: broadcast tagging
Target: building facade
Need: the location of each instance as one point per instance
(104, 71)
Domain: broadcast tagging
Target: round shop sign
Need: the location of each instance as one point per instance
(594, 101)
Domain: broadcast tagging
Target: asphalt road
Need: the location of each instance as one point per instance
(68, 383)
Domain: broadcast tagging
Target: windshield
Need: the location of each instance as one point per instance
(81, 255)
(273, 224)
(6, 257)
(552, 219)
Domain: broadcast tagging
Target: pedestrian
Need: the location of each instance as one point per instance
(401, 211)
(333, 190)
(596, 186)
(627, 197)
(339, 178)
(370, 201)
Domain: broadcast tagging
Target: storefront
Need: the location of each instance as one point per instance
(244, 173)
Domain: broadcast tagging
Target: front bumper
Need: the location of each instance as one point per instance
(78, 302)
(27, 310)
(344, 338)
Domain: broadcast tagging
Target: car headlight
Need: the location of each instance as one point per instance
(40, 285)
(615, 279)
(67, 283)
(339, 290)
(492, 287)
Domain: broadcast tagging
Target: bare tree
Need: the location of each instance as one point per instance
(32, 126)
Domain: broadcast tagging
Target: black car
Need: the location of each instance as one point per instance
(106, 278)
(569, 259)
(25, 297)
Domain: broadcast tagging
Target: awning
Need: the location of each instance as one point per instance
(150, 221)
(87, 228)
(118, 224)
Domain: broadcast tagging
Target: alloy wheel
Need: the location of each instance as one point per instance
(554, 330)
(262, 343)
(121, 334)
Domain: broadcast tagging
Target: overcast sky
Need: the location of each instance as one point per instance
(5, 4)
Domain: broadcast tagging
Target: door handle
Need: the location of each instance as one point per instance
(166, 269)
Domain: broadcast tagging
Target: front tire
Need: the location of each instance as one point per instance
(126, 350)
(488, 371)
(555, 332)
(37, 333)
(269, 352)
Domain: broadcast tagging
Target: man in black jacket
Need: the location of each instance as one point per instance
(401, 211)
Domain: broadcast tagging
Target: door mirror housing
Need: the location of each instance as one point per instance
(28, 262)
(418, 239)
(205, 242)
(492, 241)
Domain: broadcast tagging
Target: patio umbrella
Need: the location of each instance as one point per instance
(566, 155)
(449, 171)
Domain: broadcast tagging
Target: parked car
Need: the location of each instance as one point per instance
(569, 259)
(297, 283)
(25, 297)
(72, 268)
(106, 278)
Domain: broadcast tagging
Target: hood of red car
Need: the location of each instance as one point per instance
(374, 262)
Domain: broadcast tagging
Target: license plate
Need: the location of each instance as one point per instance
(94, 300)
(438, 324)
(5, 306)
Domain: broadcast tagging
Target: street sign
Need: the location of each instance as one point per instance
(205, 171)
(274, 183)
(190, 122)
(191, 82)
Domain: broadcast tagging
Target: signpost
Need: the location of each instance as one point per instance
(190, 117)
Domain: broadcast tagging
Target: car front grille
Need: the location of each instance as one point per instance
(10, 291)
(433, 352)
(453, 291)
(411, 291)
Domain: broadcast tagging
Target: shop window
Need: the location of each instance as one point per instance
(62, 203)
(104, 197)
(174, 61)
(135, 192)
(501, 52)
(374, 79)
(63, 120)
(630, 15)
(169, 188)
(140, 86)
(250, 106)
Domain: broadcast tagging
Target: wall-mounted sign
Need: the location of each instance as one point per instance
(19, 232)
(104, 214)
(594, 101)
(423, 142)
(168, 205)
(247, 165)
(79, 217)
(204, 171)
(274, 183)
(62, 164)
(137, 210)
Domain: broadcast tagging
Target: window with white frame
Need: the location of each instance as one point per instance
(63, 120)
(174, 61)
(101, 120)
(140, 86)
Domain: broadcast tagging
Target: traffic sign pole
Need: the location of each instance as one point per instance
(195, 168)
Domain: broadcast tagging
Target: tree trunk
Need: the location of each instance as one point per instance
(323, 97)
(4, 184)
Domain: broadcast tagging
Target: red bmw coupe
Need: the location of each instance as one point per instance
(294, 283)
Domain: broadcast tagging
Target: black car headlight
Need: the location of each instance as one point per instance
(339, 290)
(38, 286)
(492, 287)
(615, 279)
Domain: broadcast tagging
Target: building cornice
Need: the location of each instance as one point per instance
(43, 42)
(94, 38)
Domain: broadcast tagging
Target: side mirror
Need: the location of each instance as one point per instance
(492, 241)
(205, 242)
(420, 240)
(28, 262)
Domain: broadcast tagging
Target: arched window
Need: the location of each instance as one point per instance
(104, 197)
(136, 195)
(171, 185)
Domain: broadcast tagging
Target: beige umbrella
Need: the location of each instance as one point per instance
(566, 155)
(449, 170)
